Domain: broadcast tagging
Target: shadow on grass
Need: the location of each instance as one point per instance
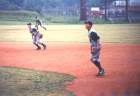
(26, 82)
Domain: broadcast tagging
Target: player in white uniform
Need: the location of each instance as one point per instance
(36, 36)
(39, 23)
(95, 47)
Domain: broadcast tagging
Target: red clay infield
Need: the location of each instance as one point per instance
(121, 63)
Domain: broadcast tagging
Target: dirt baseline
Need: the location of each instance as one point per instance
(121, 62)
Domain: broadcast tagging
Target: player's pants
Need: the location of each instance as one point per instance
(38, 24)
(95, 55)
(36, 39)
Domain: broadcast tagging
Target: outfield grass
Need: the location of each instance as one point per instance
(22, 17)
(110, 33)
(25, 82)
(17, 17)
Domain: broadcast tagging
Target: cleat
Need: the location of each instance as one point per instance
(38, 48)
(44, 46)
(101, 73)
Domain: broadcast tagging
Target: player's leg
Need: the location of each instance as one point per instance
(44, 46)
(98, 65)
(42, 26)
(36, 26)
(95, 60)
(38, 47)
(40, 43)
(36, 43)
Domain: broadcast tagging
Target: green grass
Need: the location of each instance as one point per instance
(26, 82)
(62, 20)
(110, 33)
(17, 17)
(22, 17)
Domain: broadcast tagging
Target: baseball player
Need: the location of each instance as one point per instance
(36, 36)
(95, 47)
(39, 23)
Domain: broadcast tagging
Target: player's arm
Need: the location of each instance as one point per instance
(92, 49)
(96, 38)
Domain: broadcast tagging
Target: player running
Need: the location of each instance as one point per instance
(95, 47)
(36, 36)
(39, 23)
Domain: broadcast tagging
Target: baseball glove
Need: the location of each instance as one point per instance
(41, 36)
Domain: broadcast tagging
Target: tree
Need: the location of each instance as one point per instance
(33, 5)
(83, 10)
(4, 4)
(126, 10)
(106, 9)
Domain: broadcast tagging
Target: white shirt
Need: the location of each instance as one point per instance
(92, 43)
(91, 30)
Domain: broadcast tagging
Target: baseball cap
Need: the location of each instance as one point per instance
(29, 23)
(89, 22)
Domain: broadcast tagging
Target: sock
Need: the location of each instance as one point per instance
(98, 65)
(37, 45)
(43, 45)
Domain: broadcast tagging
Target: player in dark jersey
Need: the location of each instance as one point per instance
(95, 47)
(39, 23)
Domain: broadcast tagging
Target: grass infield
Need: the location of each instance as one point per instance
(26, 82)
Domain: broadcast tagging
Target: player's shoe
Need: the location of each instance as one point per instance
(44, 47)
(39, 48)
(101, 73)
(45, 28)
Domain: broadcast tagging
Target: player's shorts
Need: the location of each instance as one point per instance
(95, 55)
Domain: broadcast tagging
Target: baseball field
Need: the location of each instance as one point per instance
(64, 68)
